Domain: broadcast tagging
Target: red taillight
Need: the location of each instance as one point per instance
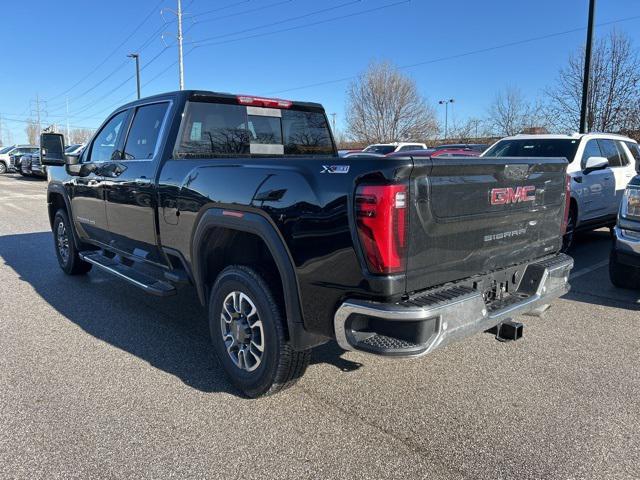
(381, 216)
(567, 204)
(263, 102)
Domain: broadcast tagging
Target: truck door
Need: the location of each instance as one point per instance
(87, 189)
(130, 186)
(593, 188)
(621, 172)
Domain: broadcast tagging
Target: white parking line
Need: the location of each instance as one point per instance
(584, 271)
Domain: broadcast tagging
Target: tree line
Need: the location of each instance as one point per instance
(385, 105)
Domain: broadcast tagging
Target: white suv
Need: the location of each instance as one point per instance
(600, 165)
(387, 148)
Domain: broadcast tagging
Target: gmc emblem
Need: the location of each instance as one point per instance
(504, 196)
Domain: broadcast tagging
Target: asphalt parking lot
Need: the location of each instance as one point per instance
(99, 380)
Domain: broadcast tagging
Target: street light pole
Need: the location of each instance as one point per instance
(587, 68)
(136, 56)
(446, 115)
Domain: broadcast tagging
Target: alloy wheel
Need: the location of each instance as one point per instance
(242, 331)
(62, 242)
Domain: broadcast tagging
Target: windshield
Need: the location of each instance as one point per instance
(536, 147)
(381, 149)
(6, 149)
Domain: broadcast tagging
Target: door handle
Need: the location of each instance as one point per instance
(94, 182)
(142, 181)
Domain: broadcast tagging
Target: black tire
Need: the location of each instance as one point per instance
(3, 168)
(70, 262)
(621, 275)
(567, 239)
(280, 366)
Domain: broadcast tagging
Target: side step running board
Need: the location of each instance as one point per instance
(147, 283)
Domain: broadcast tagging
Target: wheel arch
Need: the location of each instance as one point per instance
(57, 198)
(257, 225)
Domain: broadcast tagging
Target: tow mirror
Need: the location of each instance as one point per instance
(52, 149)
(595, 163)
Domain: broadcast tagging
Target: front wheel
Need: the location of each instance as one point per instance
(3, 168)
(248, 335)
(68, 258)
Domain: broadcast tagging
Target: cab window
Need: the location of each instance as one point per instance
(144, 131)
(104, 147)
(610, 151)
(591, 149)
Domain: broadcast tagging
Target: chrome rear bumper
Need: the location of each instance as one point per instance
(447, 315)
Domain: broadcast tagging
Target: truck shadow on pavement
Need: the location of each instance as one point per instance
(171, 334)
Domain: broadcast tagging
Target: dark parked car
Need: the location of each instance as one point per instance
(476, 147)
(624, 262)
(290, 246)
(30, 165)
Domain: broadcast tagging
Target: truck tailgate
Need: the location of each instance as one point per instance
(474, 215)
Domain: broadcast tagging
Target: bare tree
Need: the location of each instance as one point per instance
(79, 135)
(383, 105)
(472, 128)
(33, 132)
(510, 112)
(613, 100)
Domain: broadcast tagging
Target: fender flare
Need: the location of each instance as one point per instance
(59, 190)
(260, 226)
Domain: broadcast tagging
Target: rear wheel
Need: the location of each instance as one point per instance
(247, 331)
(68, 258)
(621, 275)
(567, 239)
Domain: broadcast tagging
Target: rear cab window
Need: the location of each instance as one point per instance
(212, 129)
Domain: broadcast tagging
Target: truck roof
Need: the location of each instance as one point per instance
(220, 96)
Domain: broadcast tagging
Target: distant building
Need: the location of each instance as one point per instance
(535, 130)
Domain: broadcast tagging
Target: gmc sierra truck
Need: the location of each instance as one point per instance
(289, 246)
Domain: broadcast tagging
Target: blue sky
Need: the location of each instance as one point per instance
(77, 49)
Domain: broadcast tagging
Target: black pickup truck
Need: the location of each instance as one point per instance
(246, 199)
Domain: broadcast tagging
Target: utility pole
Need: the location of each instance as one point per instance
(587, 68)
(179, 14)
(180, 57)
(446, 115)
(38, 118)
(136, 56)
(67, 105)
(333, 122)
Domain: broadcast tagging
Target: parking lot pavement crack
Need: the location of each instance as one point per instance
(443, 468)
